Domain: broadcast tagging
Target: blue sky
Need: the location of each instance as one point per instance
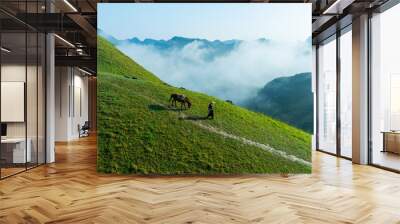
(283, 22)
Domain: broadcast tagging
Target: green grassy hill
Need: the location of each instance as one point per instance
(139, 133)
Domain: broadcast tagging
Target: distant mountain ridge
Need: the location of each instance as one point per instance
(288, 99)
(176, 41)
(181, 42)
(217, 47)
(108, 37)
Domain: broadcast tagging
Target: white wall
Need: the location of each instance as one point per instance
(13, 101)
(71, 94)
(62, 83)
(80, 110)
(13, 72)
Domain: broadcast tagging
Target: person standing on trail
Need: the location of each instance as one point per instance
(210, 110)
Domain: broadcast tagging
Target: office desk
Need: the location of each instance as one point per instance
(13, 150)
(391, 141)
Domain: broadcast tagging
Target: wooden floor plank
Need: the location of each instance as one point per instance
(71, 191)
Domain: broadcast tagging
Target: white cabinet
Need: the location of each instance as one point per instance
(19, 155)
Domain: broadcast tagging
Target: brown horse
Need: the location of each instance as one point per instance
(181, 99)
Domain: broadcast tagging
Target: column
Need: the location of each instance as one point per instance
(360, 90)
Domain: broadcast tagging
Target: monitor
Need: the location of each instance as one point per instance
(3, 129)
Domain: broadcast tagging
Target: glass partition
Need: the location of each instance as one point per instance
(14, 153)
(385, 89)
(22, 101)
(346, 94)
(327, 96)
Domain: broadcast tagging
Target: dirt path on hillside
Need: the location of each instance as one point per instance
(238, 138)
(248, 142)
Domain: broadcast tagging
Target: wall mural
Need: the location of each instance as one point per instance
(204, 88)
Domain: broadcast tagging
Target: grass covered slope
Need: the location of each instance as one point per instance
(138, 133)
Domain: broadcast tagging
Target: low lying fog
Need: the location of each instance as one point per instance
(236, 75)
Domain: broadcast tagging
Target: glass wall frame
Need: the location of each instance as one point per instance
(384, 87)
(22, 65)
(333, 121)
(327, 95)
(375, 137)
(345, 92)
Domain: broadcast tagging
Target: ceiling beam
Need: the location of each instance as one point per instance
(86, 27)
(338, 6)
(49, 22)
(79, 61)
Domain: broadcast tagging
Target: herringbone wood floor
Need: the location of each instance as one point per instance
(70, 191)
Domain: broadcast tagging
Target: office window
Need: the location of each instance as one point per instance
(14, 153)
(327, 96)
(346, 94)
(22, 89)
(385, 89)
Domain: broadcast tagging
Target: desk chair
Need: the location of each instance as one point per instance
(84, 130)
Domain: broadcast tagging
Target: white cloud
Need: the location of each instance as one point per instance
(235, 76)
